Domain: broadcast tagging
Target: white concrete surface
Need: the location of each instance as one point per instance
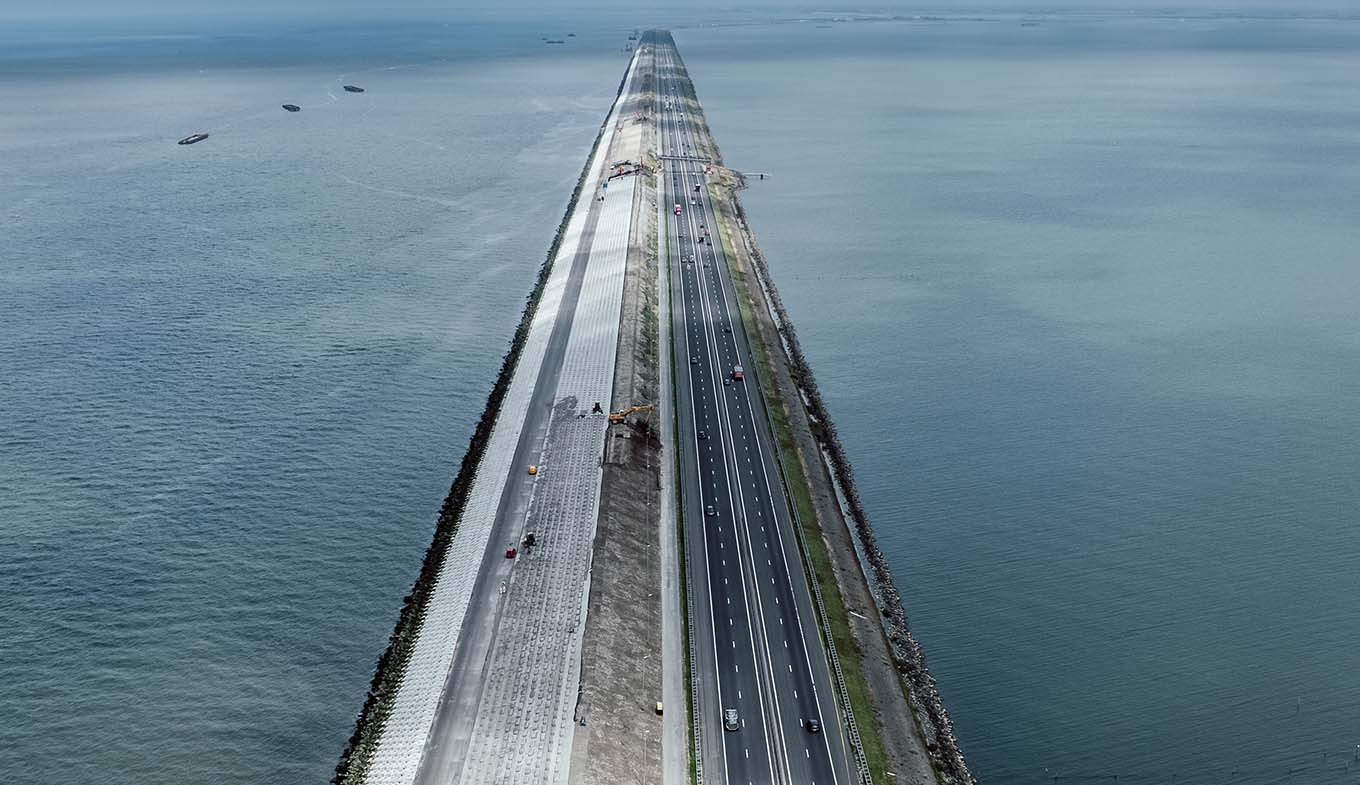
(525, 721)
(397, 756)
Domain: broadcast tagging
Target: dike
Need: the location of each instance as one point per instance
(391, 666)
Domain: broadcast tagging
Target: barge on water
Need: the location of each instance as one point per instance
(349, 88)
(292, 107)
(193, 138)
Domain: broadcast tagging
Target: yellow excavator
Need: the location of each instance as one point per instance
(619, 416)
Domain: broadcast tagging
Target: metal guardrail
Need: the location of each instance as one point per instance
(696, 158)
(693, 671)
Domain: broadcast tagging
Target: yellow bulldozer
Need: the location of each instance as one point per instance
(620, 416)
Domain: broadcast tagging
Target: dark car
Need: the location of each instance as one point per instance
(710, 511)
(814, 726)
(703, 434)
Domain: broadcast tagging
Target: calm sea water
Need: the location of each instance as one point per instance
(237, 378)
(1082, 295)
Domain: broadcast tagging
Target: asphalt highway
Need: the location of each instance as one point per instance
(757, 643)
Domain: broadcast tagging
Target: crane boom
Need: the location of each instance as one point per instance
(619, 416)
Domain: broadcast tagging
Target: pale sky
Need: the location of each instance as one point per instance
(12, 9)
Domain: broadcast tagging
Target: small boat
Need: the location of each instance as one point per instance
(349, 88)
(193, 138)
(554, 41)
(292, 107)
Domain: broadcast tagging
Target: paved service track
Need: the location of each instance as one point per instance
(757, 642)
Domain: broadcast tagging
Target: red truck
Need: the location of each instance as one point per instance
(737, 373)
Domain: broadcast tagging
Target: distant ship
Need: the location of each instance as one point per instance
(193, 138)
(571, 35)
(349, 88)
(554, 41)
(292, 107)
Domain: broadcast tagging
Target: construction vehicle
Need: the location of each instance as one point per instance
(619, 416)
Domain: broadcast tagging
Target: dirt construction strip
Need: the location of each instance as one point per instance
(619, 738)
